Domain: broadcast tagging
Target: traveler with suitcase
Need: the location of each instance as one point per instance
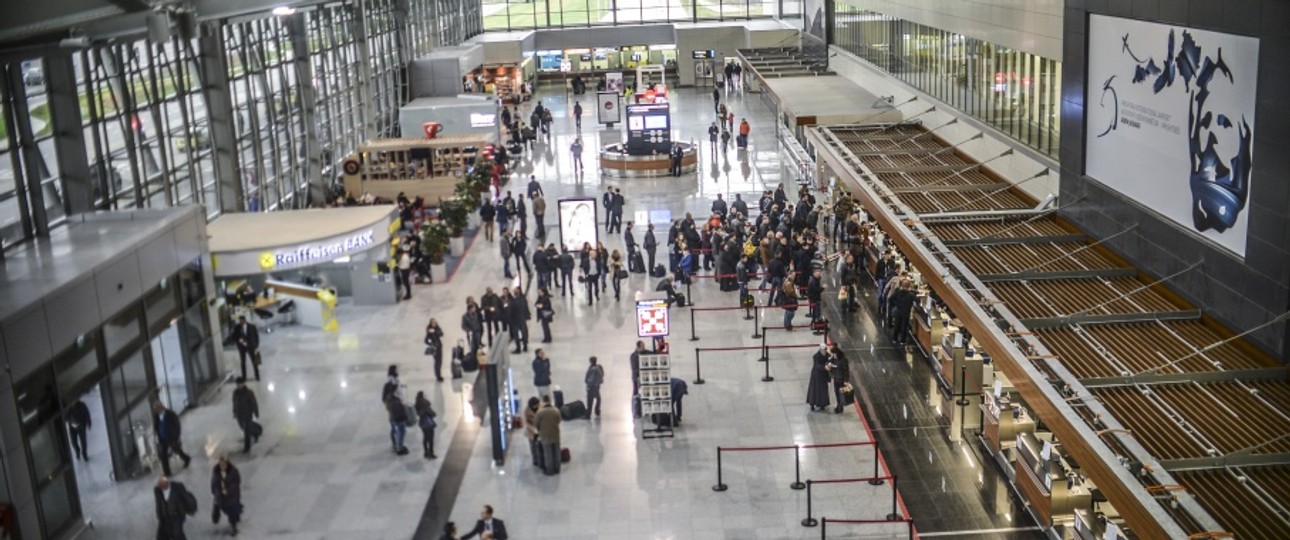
(531, 431)
(542, 373)
(594, 378)
(547, 421)
(245, 410)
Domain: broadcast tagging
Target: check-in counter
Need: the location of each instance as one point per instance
(929, 326)
(1003, 422)
(1053, 489)
(954, 357)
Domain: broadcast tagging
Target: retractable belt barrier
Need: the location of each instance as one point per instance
(765, 351)
(824, 524)
(810, 520)
(797, 458)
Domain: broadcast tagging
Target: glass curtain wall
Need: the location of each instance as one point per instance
(1015, 92)
(145, 124)
(530, 14)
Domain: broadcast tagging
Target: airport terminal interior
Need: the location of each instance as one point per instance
(783, 269)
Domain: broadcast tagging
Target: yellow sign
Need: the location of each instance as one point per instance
(396, 225)
(267, 260)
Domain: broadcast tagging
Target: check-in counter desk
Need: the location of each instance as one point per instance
(1003, 422)
(929, 325)
(953, 359)
(1051, 486)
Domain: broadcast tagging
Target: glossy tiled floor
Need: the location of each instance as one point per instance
(324, 468)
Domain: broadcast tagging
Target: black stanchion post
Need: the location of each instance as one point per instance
(797, 469)
(875, 481)
(693, 335)
(698, 372)
(756, 318)
(809, 521)
(766, 364)
(910, 523)
(895, 512)
(963, 400)
(824, 525)
(721, 486)
(764, 354)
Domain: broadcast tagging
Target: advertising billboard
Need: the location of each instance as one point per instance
(608, 109)
(1170, 122)
(648, 129)
(578, 223)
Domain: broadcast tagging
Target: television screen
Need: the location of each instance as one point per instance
(635, 123)
(656, 122)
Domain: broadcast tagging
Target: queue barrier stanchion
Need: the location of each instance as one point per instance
(719, 486)
(810, 520)
(797, 469)
(693, 335)
(824, 526)
(698, 373)
(895, 510)
(825, 521)
(797, 460)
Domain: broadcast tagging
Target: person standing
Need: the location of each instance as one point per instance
(488, 525)
(817, 391)
(566, 272)
(505, 245)
(616, 210)
(534, 187)
(841, 375)
(548, 425)
(713, 133)
(519, 315)
(404, 269)
(246, 409)
(434, 347)
(788, 301)
(544, 312)
(226, 492)
(539, 210)
(651, 247)
(678, 390)
(487, 213)
(530, 430)
(473, 326)
(577, 115)
(449, 531)
(576, 150)
(426, 421)
(174, 504)
(519, 249)
(542, 373)
(398, 416)
(490, 309)
(169, 431)
(589, 276)
(814, 294)
(522, 214)
(635, 362)
(78, 423)
(719, 207)
(607, 202)
(618, 272)
(716, 99)
(247, 338)
(594, 378)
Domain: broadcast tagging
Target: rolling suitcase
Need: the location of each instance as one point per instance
(637, 263)
(680, 300)
(558, 397)
(456, 368)
(573, 410)
(658, 271)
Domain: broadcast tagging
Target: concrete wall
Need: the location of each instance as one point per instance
(1033, 26)
(1023, 164)
(440, 73)
(1241, 293)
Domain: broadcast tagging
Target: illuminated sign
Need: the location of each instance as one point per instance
(312, 253)
(651, 318)
(478, 120)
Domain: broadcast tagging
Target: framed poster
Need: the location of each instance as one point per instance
(1170, 122)
(614, 81)
(578, 218)
(609, 108)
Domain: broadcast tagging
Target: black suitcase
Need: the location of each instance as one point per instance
(658, 271)
(559, 398)
(573, 410)
(680, 300)
(637, 263)
(456, 369)
(469, 363)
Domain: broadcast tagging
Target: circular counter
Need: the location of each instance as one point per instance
(615, 162)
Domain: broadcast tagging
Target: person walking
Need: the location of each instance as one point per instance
(473, 325)
(618, 272)
(651, 247)
(542, 373)
(713, 133)
(616, 210)
(403, 267)
(426, 421)
(246, 409)
(602, 265)
(518, 313)
(504, 245)
(577, 115)
(594, 378)
(434, 347)
(566, 272)
(589, 276)
(490, 306)
(817, 390)
(488, 525)
(487, 213)
(169, 431)
(247, 338)
(520, 249)
(174, 503)
(530, 430)
(539, 210)
(576, 150)
(548, 426)
(522, 214)
(545, 313)
(226, 492)
(716, 99)
(78, 423)
(392, 396)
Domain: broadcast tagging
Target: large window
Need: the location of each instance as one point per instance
(528, 14)
(1016, 92)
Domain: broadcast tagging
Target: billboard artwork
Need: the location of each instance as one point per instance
(608, 110)
(577, 223)
(1170, 122)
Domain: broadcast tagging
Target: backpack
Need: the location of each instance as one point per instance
(190, 501)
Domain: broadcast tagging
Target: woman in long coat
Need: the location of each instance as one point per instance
(226, 489)
(817, 392)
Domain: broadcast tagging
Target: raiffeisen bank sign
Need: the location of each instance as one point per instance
(314, 253)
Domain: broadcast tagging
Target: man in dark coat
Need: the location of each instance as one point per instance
(247, 338)
(487, 524)
(651, 246)
(566, 272)
(616, 211)
(519, 317)
(814, 293)
(902, 301)
(166, 424)
(817, 391)
(245, 409)
(629, 240)
(78, 422)
(172, 509)
(719, 207)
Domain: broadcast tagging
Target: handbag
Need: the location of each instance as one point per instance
(620, 274)
(546, 314)
(842, 293)
(431, 350)
(411, 414)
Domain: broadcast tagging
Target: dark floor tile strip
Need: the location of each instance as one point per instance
(443, 496)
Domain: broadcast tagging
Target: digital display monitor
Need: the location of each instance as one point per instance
(656, 122)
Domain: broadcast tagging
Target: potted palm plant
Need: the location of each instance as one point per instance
(434, 243)
(455, 214)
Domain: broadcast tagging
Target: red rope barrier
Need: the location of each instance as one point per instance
(791, 346)
(837, 445)
(749, 348)
(849, 480)
(755, 448)
(866, 521)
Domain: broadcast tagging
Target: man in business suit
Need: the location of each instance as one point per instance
(166, 423)
(616, 210)
(247, 338)
(245, 409)
(487, 524)
(171, 511)
(78, 422)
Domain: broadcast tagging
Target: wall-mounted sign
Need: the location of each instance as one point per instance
(314, 253)
(566, 65)
(703, 55)
(1170, 116)
(479, 120)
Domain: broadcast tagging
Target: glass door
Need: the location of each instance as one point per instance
(168, 364)
(126, 394)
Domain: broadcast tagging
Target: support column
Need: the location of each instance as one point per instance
(303, 65)
(365, 105)
(69, 137)
(34, 169)
(215, 88)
